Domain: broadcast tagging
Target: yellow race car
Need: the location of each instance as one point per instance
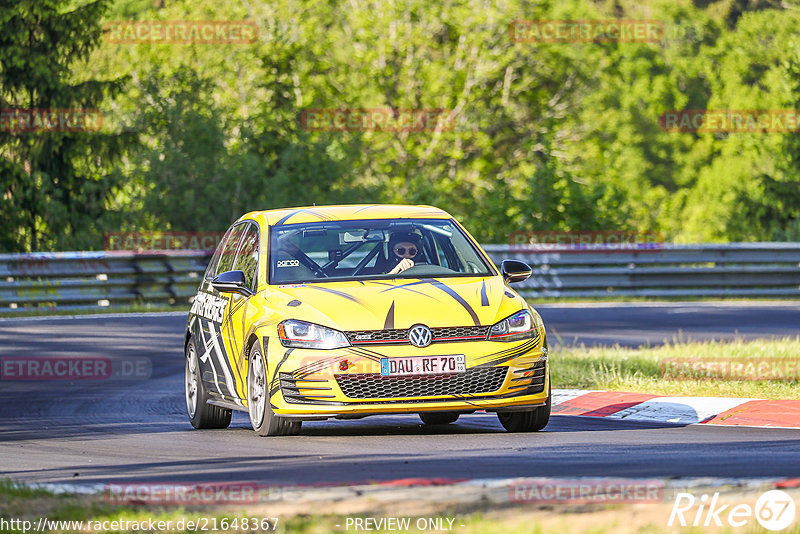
(347, 311)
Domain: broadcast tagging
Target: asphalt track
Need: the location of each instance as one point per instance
(93, 432)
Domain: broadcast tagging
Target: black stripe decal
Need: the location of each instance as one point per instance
(447, 290)
(313, 367)
(458, 299)
(312, 212)
(285, 218)
(365, 208)
(277, 370)
(366, 353)
(505, 356)
(337, 292)
(407, 288)
(388, 324)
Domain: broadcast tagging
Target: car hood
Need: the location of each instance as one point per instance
(399, 303)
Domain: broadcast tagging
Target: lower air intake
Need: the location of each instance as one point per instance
(375, 386)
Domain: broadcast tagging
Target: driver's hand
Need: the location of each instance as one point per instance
(404, 264)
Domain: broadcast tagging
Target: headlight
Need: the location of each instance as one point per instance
(519, 326)
(300, 334)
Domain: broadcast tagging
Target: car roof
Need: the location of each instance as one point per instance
(349, 212)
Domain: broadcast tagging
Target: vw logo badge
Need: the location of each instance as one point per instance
(420, 335)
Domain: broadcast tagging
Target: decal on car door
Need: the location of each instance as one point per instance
(209, 311)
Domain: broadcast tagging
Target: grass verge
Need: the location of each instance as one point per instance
(23, 503)
(654, 369)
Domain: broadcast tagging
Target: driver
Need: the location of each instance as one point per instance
(403, 247)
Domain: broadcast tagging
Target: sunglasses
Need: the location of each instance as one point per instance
(412, 251)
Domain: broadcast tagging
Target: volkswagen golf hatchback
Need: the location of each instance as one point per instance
(342, 312)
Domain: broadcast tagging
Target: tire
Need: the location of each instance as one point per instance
(439, 418)
(529, 421)
(201, 414)
(263, 419)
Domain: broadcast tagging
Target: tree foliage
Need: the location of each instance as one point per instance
(53, 183)
(545, 135)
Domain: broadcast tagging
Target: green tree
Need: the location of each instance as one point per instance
(547, 135)
(53, 183)
(746, 185)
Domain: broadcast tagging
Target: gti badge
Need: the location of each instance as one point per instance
(420, 335)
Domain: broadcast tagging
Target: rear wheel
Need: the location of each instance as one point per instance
(528, 421)
(263, 419)
(201, 414)
(439, 418)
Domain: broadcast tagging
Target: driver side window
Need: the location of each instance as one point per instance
(247, 258)
(211, 270)
(229, 252)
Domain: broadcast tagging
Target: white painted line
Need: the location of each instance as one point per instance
(60, 488)
(564, 395)
(678, 410)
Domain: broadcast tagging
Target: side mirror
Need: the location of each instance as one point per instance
(515, 271)
(231, 282)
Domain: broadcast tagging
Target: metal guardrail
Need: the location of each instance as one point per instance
(705, 270)
(87, 280)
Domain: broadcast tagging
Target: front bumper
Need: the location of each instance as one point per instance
(346, 383)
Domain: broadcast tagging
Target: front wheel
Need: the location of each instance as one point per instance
(201, 414)
(529, 421)
(263, 419)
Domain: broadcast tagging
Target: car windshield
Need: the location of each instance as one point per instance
(369, 249)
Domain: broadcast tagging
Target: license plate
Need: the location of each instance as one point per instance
(424, 365)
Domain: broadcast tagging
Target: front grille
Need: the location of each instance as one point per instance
(459, 331)
(375, 336)
(446, 333)
(375, 386)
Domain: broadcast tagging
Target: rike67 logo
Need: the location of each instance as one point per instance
(774, 510)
